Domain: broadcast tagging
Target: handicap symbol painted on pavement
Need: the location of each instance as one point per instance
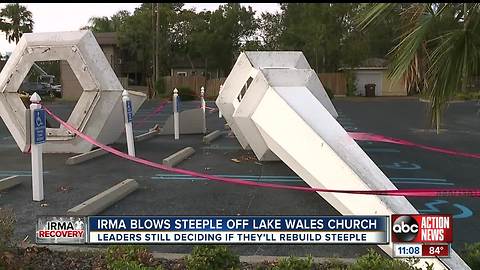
(402, 165)
(465, 212)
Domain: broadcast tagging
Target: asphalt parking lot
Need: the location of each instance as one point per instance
(166, 194)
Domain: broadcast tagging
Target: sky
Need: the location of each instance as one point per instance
(52, 17)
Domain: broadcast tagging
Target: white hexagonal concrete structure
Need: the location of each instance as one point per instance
(275, 77)
(280, 113)
(245, 69)
(98, 113)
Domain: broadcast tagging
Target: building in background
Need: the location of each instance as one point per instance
(108, 41)
(375, 71)
(186, 67)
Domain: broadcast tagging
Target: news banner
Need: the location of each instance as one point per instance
(411, 235)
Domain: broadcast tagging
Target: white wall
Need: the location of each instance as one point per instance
(363, 77)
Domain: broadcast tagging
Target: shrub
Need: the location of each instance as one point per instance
(127, 265)
(374, 261)
(470, 95)
(160, 87)
(335, 264)
(7, 227)
(185, 93)
(292, 263)
(212, 257)
(128, 257)
(351, 85)
(471, 255)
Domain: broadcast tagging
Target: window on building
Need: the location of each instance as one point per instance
(182, 73)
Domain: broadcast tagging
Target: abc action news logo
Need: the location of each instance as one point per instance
(422, 228)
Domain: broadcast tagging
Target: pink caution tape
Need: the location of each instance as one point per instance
(157, 110)
(362, 136)
(394, 192)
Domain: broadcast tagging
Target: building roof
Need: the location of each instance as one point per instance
(106, 38)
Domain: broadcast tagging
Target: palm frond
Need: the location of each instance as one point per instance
(375, 13)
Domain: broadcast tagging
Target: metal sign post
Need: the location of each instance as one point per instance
(128, 115)
(39, 134)
(176, 124)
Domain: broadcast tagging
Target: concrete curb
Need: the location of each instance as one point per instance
(85, 157)
(449, 102)
(148, 135)
(10, 182)
(103, 200)
(212, 136)
(176, 256)
(178, 157)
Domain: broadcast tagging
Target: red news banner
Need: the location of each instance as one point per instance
(434, 232)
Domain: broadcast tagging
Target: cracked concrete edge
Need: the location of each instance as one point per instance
(176, 256)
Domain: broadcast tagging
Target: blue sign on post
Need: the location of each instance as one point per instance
(129, 111)
(178, 103)
(39, 126)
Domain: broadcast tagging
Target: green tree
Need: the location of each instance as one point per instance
(135, 38)
(106, 24)
(438, 49)
(327, 34)
(119, 19)
(271, 28)
(319, 30)
(190, 35)
(136, 34)
(230, 26)
(15, 19)
(216, 37)
(168, 15)
(99, 24)
(372, 42)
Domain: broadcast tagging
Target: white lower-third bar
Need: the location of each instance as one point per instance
(237, 237)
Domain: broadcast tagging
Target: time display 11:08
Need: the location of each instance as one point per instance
(407, 250)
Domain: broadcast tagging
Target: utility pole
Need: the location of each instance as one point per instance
(464, 68)
(157, 34)
(154, 66)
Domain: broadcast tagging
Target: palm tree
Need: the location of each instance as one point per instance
(106, 24)
(15, 20)
(99, 24)
(438, 50)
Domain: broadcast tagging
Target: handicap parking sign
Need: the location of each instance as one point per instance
(178, 103)
(129, 111)
(39, 126)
